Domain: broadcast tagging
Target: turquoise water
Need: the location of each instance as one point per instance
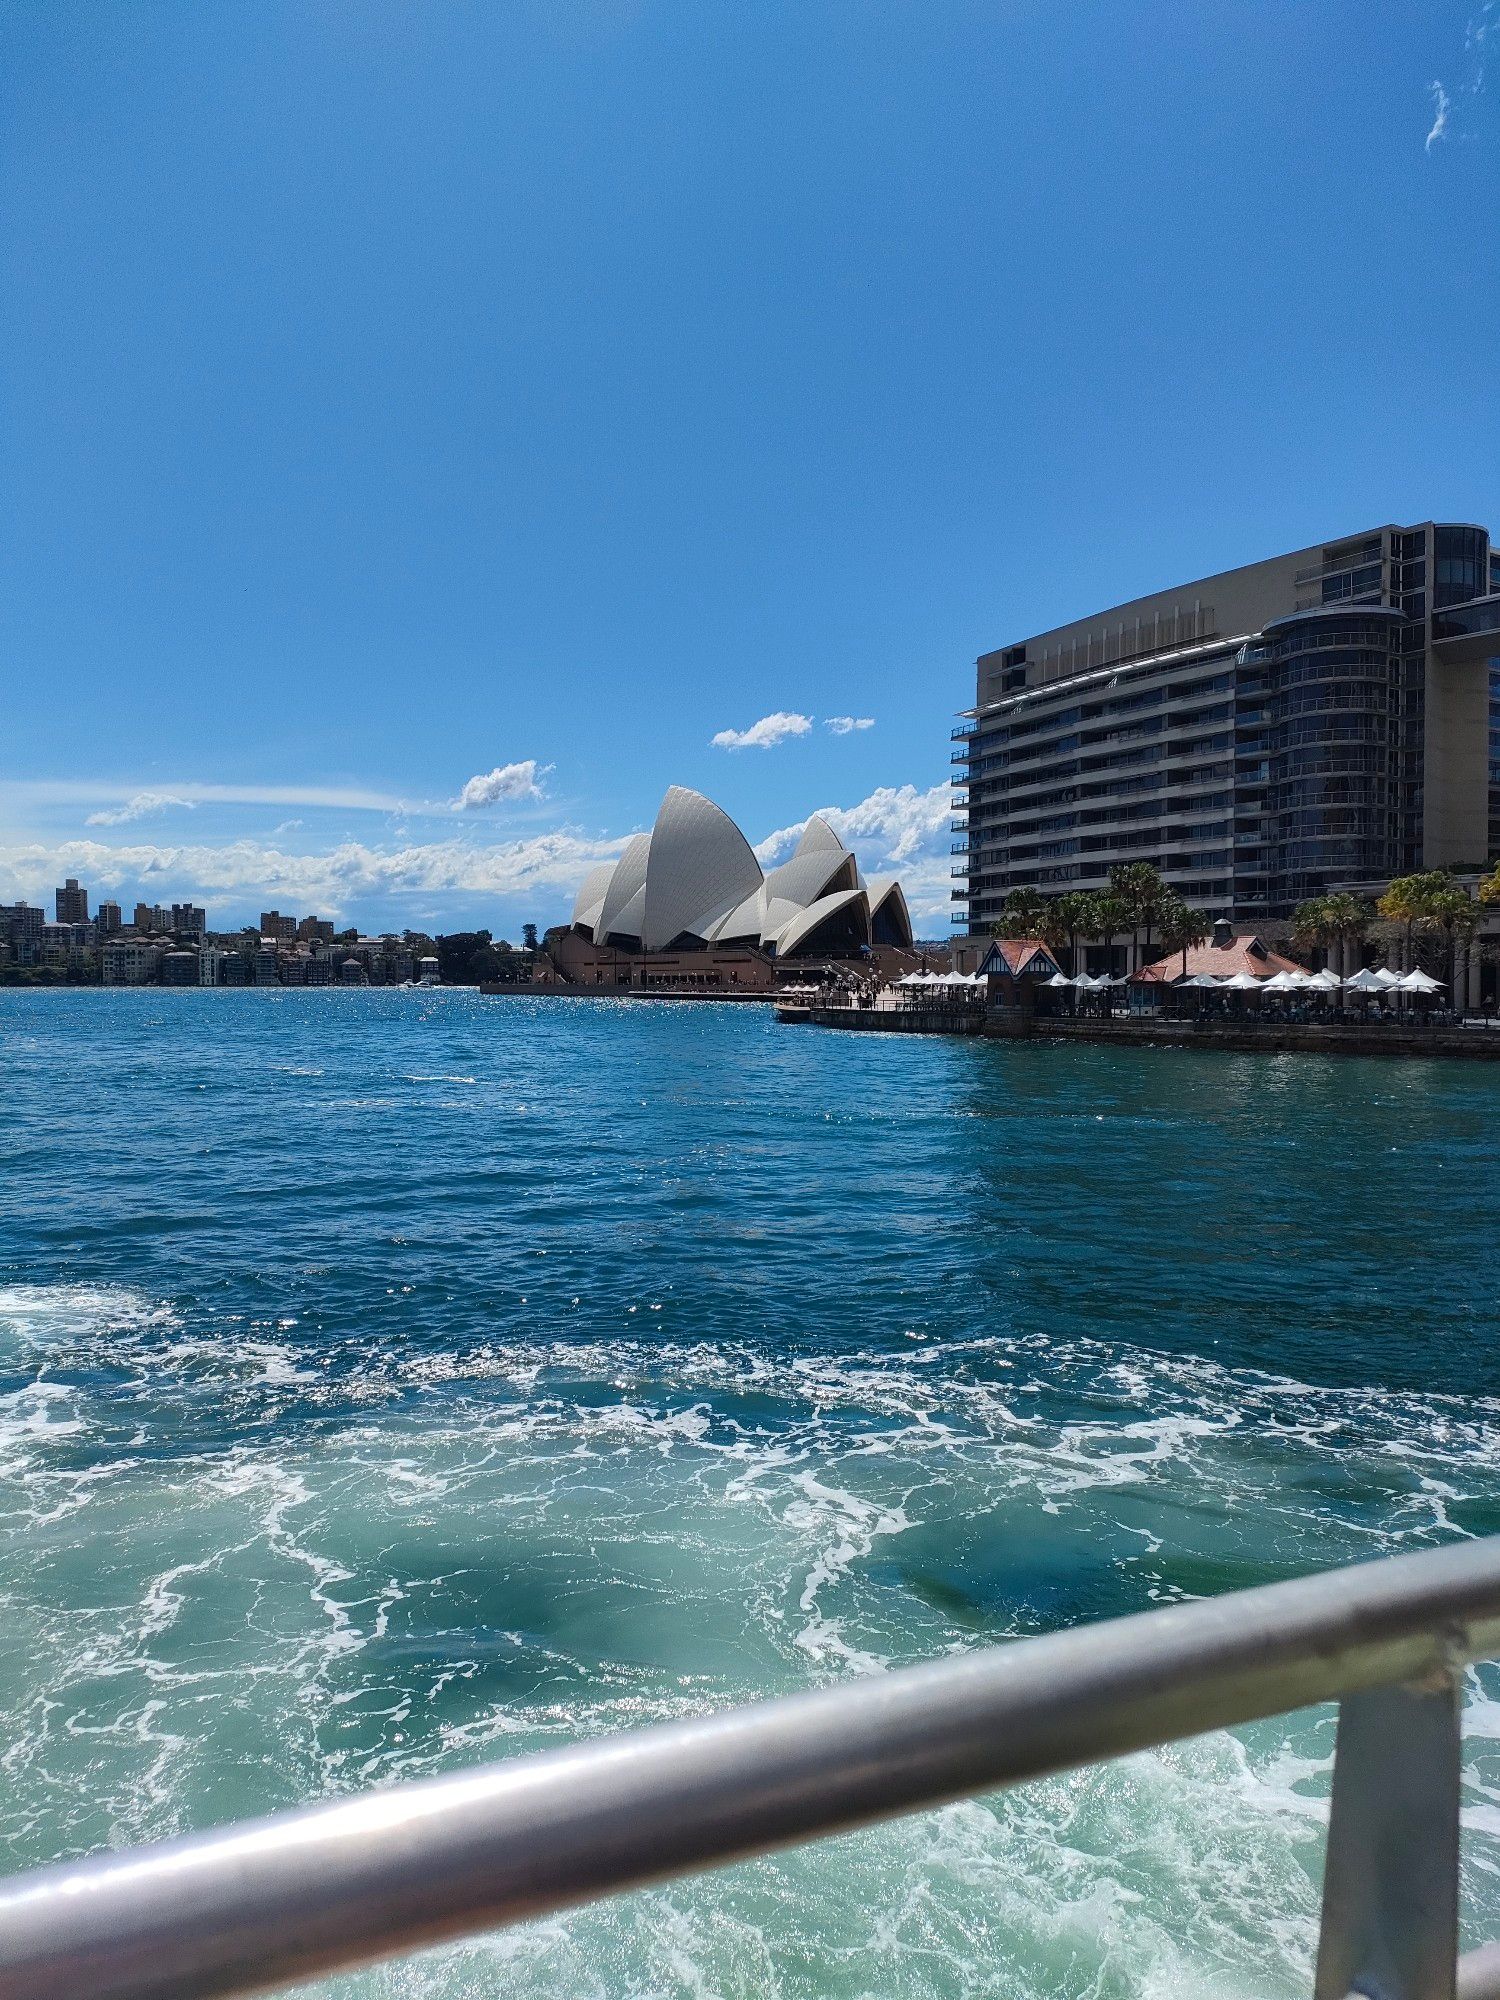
(394, 1381)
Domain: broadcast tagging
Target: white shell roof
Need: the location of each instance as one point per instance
(819, 835)
(701, 868)
(806, 921)
(696, 875)
(591, 896)
(629, 875)
(890, 891)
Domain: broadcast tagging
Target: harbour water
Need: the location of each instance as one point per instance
(398, 1380)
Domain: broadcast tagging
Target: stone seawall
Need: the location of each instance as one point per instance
(1330, 1038)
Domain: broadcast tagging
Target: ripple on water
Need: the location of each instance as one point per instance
(742, 1361)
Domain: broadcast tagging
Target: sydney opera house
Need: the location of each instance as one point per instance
(693, 885)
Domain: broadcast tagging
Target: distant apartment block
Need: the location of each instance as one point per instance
(127, 962)
(109, 920)
(21, 927)
(274, 925)
(72, 903)
(188, 919)
(1261, 736)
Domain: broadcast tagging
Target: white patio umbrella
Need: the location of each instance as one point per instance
(1058, 979)
(1327, 980)
(1421, 982)
(1242, 982)
(1386, 977)
(1367, 982)
(1299, 981)
(1279, 982)
(1210, 981)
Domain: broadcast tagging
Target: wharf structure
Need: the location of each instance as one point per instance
(1261, 736)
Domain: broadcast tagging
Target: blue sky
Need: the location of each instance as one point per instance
(395, 395)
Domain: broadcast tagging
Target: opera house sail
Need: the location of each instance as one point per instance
(694, 882)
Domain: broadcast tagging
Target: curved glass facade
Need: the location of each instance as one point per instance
(1337, 765)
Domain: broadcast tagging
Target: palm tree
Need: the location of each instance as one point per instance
(1106, 917)
(1310, 926)
(1410, 900)
(1140, 890)
(1348, 919)
(1182, 928)
(1074, 914)
(1489, 886)
(1024, 911)
(1452, 911)
(1339, 919)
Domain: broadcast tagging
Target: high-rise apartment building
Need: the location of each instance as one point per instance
(274, 925)
(1261, 736)
(189, 918)
(72, 903)
(108, 920)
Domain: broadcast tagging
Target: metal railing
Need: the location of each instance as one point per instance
(269, 1904)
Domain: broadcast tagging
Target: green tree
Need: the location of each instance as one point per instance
(1415, 901)
(1142, 895)
(1106, 918)
(1310, 923)
(1454, 912)
(528, 937)
(1024, 912)
(1181, 928)
(1489, 886)
(1339, 919)
(1072, 913)
(467, 957)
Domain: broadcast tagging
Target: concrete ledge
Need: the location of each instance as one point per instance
(889, 1020)
(1272, 1039)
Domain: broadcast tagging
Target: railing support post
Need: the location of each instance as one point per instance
(1390, 1883)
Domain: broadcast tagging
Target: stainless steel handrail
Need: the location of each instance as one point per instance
(268, 1904)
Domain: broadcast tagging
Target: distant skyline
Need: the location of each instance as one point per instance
(429, 433)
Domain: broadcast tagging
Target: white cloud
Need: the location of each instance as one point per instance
(765, 734)
(896, 830)
(845, 725)
(143, 806)
(1441, 106)
(240, 874)
(893, 824)
(506, 781)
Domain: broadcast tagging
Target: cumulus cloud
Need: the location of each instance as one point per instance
(241, 873)
(895, 823)
(1441, 106)
(845, 725)
(505, 783)
(143, 806)
(765, 734)
(898, 829)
